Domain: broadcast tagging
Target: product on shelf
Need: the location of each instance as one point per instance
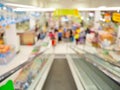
(6, 54)
(4, 48)
(29, 73)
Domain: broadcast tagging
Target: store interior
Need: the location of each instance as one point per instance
(56, 45)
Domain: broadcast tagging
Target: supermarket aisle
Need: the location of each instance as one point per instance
(17, 60)
(61, 48)
(59, 77)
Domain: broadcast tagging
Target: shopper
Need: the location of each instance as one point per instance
(71, 35)
(82, 37)
(67, 36)
(42, 35)
(53, 39)
(60, 34)
(76, 36)
(38, 36)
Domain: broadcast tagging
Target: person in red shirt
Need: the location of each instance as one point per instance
(53, 39)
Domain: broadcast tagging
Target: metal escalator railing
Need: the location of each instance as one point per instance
(110, 70)
(91, 77)
(42, 58)
(103, 54)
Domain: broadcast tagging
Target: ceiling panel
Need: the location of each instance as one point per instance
(67, 4)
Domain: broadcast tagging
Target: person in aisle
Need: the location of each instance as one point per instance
(56, 35)
(78, 29)
(77, 33)
(60, 34)
(71, 35)
(64, 31)
(56, 30)
(38, 36)
(1, 38)
(52, 38)
(42, 35)
(76, 36)
(46, 24)
(87, 31)
(67, 35)
(50, 34)
(82, 37)
(82, 23)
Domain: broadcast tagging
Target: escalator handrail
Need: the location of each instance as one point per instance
(114, 64)
(12, 71)
(107, 72)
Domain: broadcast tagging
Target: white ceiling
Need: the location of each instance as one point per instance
(67, 3)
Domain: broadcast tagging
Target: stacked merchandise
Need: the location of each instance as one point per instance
(6, 54)
(29, 73)
(109, 56)
(35, 51)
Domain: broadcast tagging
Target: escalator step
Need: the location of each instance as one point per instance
(59, 77)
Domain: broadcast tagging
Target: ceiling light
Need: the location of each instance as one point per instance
(19, 5)
(102, 7)
(36, 9)
(86, 9)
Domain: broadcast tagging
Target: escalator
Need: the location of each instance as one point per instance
(32, 72)
(93, 76)
(27, 75)
(59, 77)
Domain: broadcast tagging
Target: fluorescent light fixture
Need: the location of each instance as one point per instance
(36, 9)
(100, 9)
(86, 9)
(19, 5)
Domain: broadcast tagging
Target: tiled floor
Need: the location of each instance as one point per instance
(61, 48)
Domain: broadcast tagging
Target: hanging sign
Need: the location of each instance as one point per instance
(62, 12)
(116, 17)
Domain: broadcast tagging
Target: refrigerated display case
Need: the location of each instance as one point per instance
(28, 72)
